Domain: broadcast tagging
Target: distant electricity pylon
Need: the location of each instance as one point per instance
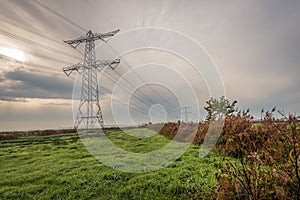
(186, 112)
(89, 112)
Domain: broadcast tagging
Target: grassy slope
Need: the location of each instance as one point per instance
(59, 167)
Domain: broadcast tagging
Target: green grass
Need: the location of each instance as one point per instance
(59, 167)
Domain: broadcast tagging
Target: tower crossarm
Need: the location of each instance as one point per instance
(105, 36)
(69, 69)
(111, 63)
(89, 36)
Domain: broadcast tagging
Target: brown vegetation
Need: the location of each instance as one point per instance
(268, 153)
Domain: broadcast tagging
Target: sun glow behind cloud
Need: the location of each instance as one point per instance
(13, 53)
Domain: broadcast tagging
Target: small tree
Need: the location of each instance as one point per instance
(218, 108)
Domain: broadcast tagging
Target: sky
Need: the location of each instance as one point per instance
(251, 47)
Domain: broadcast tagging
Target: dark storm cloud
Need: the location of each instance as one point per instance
(43, 82)
(20, 84)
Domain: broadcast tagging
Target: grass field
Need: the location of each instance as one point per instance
(59, 167)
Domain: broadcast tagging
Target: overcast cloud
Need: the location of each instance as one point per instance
(255, 45)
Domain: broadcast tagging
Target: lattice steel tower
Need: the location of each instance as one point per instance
(89, 111)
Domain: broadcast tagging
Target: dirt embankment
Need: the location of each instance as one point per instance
(16, 134)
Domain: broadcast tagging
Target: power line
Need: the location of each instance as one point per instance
(141, 78)
(35, 54)
(58, 74)
(48, 48)
(83, 29)
(128, 90)
(31, 42)
(123, 60)
(35, 70)
(35, 33)
(59, 15)
(134, 106)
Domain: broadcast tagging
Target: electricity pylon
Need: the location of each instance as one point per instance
(186, 112)
(89, 111)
